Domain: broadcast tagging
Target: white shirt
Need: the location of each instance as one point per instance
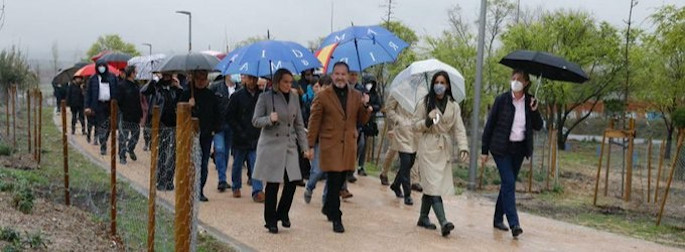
(103, 94)
(231, 90)
(518, 129)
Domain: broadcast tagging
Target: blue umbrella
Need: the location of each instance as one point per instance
(361, 47)
(226, 61)
(265, 57)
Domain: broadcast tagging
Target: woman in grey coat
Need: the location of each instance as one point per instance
(279, 116)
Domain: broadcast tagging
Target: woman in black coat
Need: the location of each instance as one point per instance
(508, 136)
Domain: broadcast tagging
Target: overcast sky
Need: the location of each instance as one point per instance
(75, 24)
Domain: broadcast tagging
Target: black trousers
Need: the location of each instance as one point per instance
(77, 116)
(403, 177)
(273, 209)
(206, 147)
(332, 205)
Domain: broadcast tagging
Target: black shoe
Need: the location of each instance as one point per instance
(384, 180)
(73, 132)
(351, 178)
(501, 226)
(396, 188)
(285, 222)
(122, 161)
(103, 152)
(132, 155)
(447, 228)
(249, 182)
(516, 231)
(272, 228)
(203, 198)
(408, 201)
(425, 223)
(169, 187)
(361, 172)
(88, 139)
(300, 183)
(338, 227)
(417, 187)
(223, 186)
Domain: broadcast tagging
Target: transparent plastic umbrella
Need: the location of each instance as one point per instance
(411, 85)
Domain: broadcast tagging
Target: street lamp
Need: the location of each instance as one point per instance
(190, 29)
(148, 45)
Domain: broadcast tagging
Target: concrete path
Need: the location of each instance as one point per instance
(374, 220)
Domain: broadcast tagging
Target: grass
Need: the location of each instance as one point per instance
(90, 191)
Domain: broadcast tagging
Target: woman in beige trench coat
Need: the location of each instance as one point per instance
(437, 122)
(279, 116)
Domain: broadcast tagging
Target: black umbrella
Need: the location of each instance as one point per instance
(188, 62)
(118, 60)
(545, 65)
(65, 75)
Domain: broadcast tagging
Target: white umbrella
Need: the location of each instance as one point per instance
(411, 85)
(145, 65)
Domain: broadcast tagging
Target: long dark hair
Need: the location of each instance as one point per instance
(431, 97)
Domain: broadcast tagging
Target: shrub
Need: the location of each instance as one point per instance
(23, 200)
(679, 117)
(9, 235)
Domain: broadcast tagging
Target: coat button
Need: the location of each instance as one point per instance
(288, 124)
(288, 135)
(277, 135)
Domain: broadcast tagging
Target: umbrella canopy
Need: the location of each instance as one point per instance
(219, 55)
(188, 62)
(265, 57)
(89, 70)
(360, 47)
(99, 55)
(412, 84)
(65, 75)
(545, 65)
(116, 59)
(230, 58)
(145, 64)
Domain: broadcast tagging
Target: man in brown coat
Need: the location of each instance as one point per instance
(336, 111)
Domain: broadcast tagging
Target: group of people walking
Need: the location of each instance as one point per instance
(313, 129)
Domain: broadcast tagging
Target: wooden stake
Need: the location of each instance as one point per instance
(184, 186)
(153, 179)
(65, 152)
(7, 111)
(35, 124)
(28, 121)
(599, 168)
(649, 170)
(662, 152)
(606, 175)
(40, 125)
(113, 166)
(629, 162)
(670, 177)
(14, 116)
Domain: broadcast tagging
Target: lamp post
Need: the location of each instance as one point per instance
(190, 28)
(473, 165)
(148, 45)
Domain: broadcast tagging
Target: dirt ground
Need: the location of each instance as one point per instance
(64, 228)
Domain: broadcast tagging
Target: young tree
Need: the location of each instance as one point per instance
(111, 42)
(15, 70)
(663, 76)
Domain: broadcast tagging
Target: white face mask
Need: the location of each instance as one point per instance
(369, 86)
(439, 89)
(516, 86)
(102, 69)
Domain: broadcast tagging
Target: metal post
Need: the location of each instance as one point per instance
(149, 46)
(473, 165)
(190, 28)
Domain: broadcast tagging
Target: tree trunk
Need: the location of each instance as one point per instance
(669, 142)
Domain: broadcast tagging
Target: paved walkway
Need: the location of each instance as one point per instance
(374, 221)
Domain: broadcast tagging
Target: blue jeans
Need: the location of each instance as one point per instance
(509, 166)
(239, 157)
(222, 147)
